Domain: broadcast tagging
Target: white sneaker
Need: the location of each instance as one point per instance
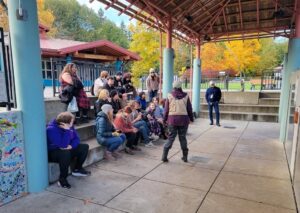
(149, 145)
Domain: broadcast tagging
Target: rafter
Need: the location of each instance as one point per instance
(120, 13)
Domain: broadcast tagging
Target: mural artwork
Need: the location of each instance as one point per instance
(12, 157)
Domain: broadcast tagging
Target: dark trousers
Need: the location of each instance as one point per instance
(132, 139)
(214, 105)
(152, 94)
(64, 157)
(181, 130)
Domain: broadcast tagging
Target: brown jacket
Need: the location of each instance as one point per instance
(152, 84)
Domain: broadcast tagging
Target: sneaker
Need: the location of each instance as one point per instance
(219, 125)
(63, 183)
(149, 145)
(128, 151)
(211, 123)
(136, 148)
(81, 173)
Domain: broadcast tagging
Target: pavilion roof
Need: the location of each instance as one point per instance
(215, 20)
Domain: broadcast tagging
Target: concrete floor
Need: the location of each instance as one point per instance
(239, 167)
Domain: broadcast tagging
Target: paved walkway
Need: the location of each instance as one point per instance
(240, 167)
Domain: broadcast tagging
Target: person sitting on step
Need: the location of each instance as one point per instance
(106, 133)
(64, 145)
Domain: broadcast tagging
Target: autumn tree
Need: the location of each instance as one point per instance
(212, 56)
(45, 17)
(242, 56)
(145, 42)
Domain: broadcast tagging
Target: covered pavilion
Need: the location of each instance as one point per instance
(193, 21)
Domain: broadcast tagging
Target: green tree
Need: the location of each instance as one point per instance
(81, 23)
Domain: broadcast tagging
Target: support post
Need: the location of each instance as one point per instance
(283, 81)
(197, 81)
(168, 62)
(26, 54)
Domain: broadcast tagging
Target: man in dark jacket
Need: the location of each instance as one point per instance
(178, 114)
(118, 83)
(213, 96)
(64, 145)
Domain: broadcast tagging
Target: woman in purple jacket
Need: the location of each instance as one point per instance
(64, 145)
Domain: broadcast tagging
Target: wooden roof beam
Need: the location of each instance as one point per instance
(109, 5)
(156, 15)
(125, 9)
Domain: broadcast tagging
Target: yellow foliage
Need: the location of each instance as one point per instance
(212, 57)
(242, 56)
(145, 42)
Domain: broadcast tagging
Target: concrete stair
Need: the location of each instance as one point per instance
(265, 111)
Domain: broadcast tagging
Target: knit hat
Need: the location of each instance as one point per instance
(212, 83)
(106, 108)
(177, 84)
(151, 70)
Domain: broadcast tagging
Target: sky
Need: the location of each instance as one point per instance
(110, 14)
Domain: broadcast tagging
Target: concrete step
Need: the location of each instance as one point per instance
(86, 131)
(245, 108)
(270, 94)
(243, 116)
(95, 154)
(269, 101)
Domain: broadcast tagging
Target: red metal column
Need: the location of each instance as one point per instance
(169, 33)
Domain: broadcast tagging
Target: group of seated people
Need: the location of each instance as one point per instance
(118, 120)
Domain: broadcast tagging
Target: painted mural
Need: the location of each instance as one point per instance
(13, 182)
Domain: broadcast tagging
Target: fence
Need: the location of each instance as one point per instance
(88, 72)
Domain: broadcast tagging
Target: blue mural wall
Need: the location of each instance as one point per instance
(13, 182)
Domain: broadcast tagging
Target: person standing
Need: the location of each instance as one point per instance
(178, 114)
(152, 83)
(213, 96)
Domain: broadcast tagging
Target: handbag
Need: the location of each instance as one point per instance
(72, 107)
(66, 94)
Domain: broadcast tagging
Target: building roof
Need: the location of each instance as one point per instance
(215, 20)
(101, 50)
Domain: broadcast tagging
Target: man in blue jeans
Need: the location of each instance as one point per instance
(213, 96)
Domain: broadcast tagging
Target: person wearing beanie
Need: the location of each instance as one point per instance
(213, 96)
(115, 101)
(152, 83)
(123, 123)
(103, 98)
(178, 114)
(106, 133)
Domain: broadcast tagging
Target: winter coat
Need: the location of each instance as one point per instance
(178, 120)
(58, 138)
(152, 83)
(143, 102)
(104, 128)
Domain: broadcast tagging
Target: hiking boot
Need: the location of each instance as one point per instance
(81, 173)
(185, 156)
(165, 156)
(62, 182)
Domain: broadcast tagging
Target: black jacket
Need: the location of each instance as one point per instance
(98, 104)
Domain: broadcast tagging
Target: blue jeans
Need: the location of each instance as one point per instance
(143, 129)
(152, 94)
(112, 143)
(214, 105)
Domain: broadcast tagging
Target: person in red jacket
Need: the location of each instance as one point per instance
(122, 123)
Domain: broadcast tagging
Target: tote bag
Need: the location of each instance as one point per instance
(72, 107)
